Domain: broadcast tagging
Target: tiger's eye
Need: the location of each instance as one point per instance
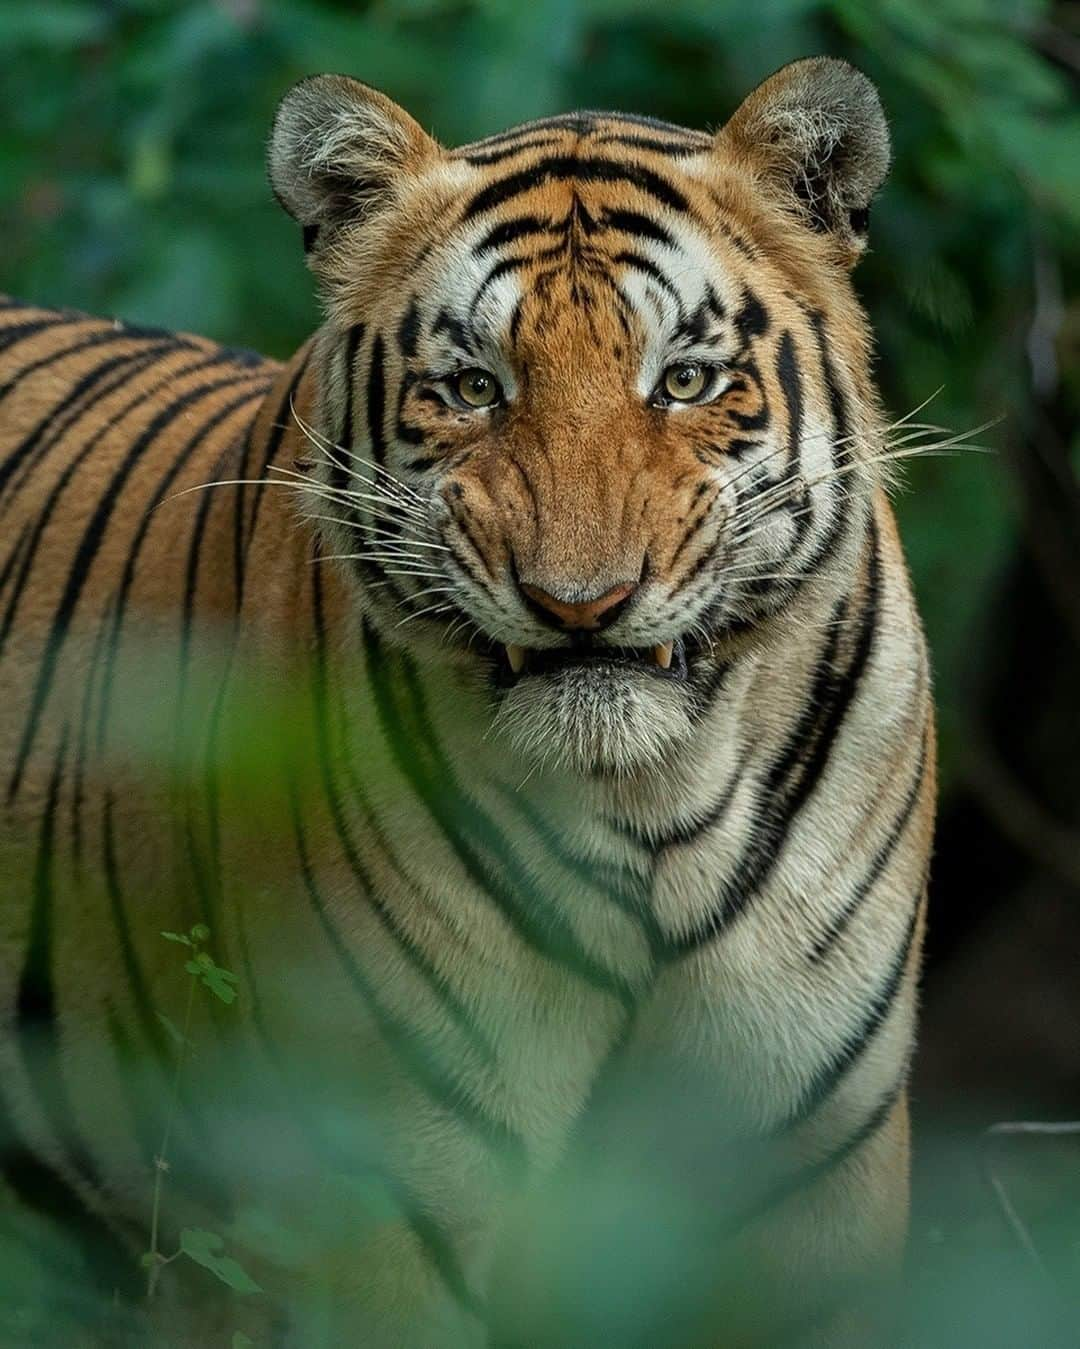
(685, 382)
(477, 388)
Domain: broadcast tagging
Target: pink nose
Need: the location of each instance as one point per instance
(590, 615)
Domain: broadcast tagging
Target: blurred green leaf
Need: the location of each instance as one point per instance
(205, 1248)
(55, 26)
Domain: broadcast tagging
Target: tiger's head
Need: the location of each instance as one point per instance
(593, 393)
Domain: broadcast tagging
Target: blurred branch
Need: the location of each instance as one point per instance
(1046, 321)
(1019, 1229)
(1051, 492)
(1021, 818)
(1060, 46)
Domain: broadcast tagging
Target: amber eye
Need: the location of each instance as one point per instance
(684, 382)
(477, 388)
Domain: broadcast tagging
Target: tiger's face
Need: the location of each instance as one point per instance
(591, 391)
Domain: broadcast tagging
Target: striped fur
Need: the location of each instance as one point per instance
(516, 901)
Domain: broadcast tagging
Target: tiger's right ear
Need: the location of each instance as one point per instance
(340, 151)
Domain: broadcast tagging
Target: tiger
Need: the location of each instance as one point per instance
(553, 591)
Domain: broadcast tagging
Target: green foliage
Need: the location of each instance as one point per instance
(205, 1248)
(220, 982)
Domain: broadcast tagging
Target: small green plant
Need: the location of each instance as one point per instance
(204, 1248)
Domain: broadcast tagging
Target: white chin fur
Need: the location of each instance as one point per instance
(614, 721)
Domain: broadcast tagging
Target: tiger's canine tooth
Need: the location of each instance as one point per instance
(662, 654)
(516, 656)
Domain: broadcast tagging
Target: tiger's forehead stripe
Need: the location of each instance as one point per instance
(595, 124)
(567, 168)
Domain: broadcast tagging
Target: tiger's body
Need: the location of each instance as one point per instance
(664, 819)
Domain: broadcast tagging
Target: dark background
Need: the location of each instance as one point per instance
(132, 184)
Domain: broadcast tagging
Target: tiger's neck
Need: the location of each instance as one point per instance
(440, 716)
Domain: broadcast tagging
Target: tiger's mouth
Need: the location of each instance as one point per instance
(667, 660)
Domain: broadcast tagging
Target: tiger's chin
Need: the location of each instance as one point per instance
(596, 717)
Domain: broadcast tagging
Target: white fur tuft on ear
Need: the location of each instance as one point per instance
(817, 131)
(339, 150)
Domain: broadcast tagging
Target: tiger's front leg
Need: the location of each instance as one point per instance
(827, 1260)
(403, 1288)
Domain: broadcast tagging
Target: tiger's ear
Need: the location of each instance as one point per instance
(340, 150)
(817, 132)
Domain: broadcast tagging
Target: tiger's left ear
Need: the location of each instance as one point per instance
(341, 151)
(817, 133)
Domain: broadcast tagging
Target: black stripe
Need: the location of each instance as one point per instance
(52, 500)
(638, 225)
(843, 694)
(204, 880)
(843, 454)
(619, 885)
(752, 320)
(127, 575)
(702, 512)
(524, 227)
(472, 835)
(455, 329)
(409, 329)
(205, 877)
(827, 1078)
(500, 268)
(79, 766)
(96, 339)
(639, 263)
(13, 333)
(571, 168)
(110, 1263)
(673, 149)
(376, 401)
(274, 436)
(689, 831)
(819, 1170)
(787, 373)
(785, 789)
(68, 411)
(704, 558)
(842, 458)
(516, 133)
(91, 540)
(456, 1011)
(136, 982)
(580, 122)
(406, 1042)
(653, 123)
(842, 920)
(339, 477)
(16, 553)
(501, 153)
(515, 321)
(422, 1064)
(706, 691)
(36, 1026)
(239, 493)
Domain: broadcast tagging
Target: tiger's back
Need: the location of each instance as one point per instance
(104, 581)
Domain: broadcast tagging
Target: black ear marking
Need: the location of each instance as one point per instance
(859, 219)
(340, 150)
(817, 131)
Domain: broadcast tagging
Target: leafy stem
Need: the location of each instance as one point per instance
(204, 1248)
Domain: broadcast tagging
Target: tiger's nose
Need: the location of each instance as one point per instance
(587, 615)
